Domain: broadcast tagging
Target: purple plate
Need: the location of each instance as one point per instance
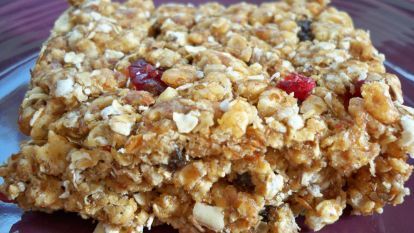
(25, 24)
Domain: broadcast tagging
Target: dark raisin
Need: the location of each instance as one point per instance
(266, 213)
(177, 159)
(146, 77)
(305, 32)
(244, 183)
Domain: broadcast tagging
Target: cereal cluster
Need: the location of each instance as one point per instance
(210, 118)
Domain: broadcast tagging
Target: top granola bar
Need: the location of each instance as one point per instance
(210, 118)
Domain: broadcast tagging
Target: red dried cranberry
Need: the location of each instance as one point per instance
(301, 85)
(146, 77)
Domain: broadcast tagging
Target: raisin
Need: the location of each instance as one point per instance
(177, 160)
(300, 85)
(146, 77)
(244, 183)
(266, 213)
(305, 32)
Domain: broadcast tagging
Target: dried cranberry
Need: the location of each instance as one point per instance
(301, 85)
(146, 77)
(305, 32)
(243, 182)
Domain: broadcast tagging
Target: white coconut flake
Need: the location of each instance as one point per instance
(198, 17)
(296, 122)
(274, 184)
(225, 105)
(326, 45)
(211, 217)
(287, 112)
(275, 76)
(95, 15)
(407, 136)
(211, 39)
(234, 75)
(74, 58)
(78, 93)
(87, 91)
(71, 120)
(114, 109)
(372, 167)
(259, 77)
(139, 198)
(199, 74)
(65, 194)
(308, 178)
(179, 37)
(63, 24)
(104, 27)
(113, 54)
(194, 49)
(122, 125)
(64, 87)
(315, 190)
(21, 186)
(186, 122)
(276, 125)
(149, 222)
(184, 87)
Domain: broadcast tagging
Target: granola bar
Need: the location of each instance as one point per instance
(210, 118)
